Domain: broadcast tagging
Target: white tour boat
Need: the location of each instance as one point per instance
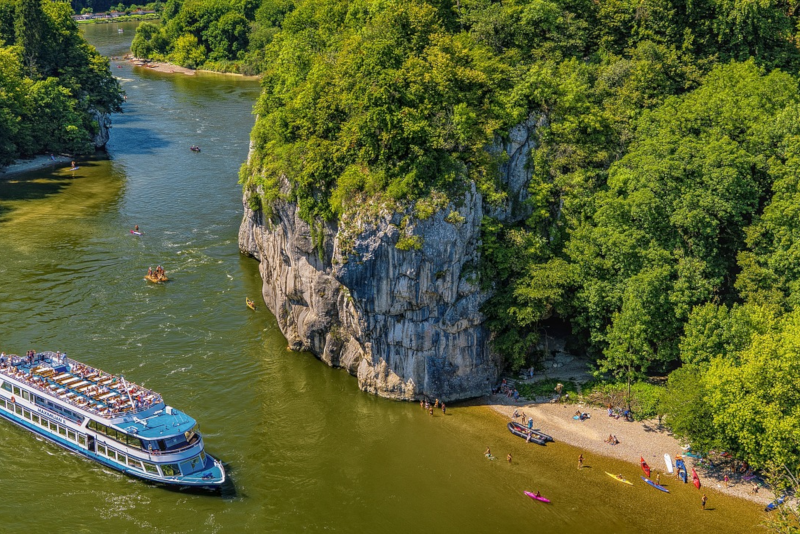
(107, 419)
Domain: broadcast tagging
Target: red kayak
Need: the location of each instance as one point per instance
(645, 467)
(695, 479)
(535, 497)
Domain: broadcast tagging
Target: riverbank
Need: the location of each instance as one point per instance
(646, 439)
(169, 68)
(124, 18)
(38, 163)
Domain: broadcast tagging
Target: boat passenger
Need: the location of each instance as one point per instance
(538, 494)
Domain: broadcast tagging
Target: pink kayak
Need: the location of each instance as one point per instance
(534, 497)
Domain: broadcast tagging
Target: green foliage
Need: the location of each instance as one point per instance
(644, 398)
(51, 82)
(547, 388)
(409, 242)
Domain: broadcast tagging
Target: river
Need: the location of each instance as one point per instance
(306, 450)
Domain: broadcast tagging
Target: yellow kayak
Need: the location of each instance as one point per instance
(619, 478)
(250, 304)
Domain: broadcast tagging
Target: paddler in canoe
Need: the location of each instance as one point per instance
(250, 304)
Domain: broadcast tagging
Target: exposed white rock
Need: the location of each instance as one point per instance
(406, 323)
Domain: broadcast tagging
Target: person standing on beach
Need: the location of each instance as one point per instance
(444, 410)
(726, 481)
(580, 461)
(658, 479)
(703, 501)
(508, 457)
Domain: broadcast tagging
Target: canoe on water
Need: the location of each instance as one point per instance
(619, 478)
(522, 432)
(668, 461)
(250, 304)
(152, 278)
(535, 498)
(656, 486)
(645, 467)
(774, 504)
(695, 479)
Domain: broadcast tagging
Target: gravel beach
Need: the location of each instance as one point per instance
(645, 439)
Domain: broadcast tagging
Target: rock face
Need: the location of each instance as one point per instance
(407, 323)
(104, 124)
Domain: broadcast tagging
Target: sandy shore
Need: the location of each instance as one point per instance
(35, 164)
(639, 439)
(169, 68)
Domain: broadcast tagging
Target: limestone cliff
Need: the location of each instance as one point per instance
(407, 323)
(103, 125)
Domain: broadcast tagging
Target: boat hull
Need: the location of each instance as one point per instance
(653, 484)
(72, 447)
(522, 432)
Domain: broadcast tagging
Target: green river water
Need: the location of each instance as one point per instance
(305, 449)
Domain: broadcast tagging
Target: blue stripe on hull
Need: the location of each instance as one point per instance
(73, 447)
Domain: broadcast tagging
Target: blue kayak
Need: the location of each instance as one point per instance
(774, 504)
(656, 486)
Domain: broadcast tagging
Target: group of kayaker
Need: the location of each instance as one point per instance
(158, 274)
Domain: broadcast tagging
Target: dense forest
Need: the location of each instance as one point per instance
(52, 83)
(662, 219)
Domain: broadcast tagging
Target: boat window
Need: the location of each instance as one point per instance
(62, 430)
(6, 386)
(136, 464)
(16, 390)
(121, 458)
(203, 456)
(191, 466)
(150, 468)
(17, 409)
(134, 442)
(82, 439)
(3, 403)
(71, 435)
(170, 470)
(27, 414)
(175, 442)
(110, 432)
(26, 395)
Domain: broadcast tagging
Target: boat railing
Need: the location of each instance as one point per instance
(12, 370)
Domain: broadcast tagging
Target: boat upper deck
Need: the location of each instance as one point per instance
(80, 385)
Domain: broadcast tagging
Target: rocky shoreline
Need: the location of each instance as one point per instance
(38, 163)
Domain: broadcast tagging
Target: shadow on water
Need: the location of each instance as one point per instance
(143, 140)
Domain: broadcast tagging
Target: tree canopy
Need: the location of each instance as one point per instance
(660, 218)
(51, 82)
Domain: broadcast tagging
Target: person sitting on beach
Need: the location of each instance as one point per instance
(488, 452)
(515, 415)
(610, 410)
(615, 440)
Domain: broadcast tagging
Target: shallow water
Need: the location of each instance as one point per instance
(306, 450)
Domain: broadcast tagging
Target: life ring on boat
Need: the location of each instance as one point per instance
(13, 399)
